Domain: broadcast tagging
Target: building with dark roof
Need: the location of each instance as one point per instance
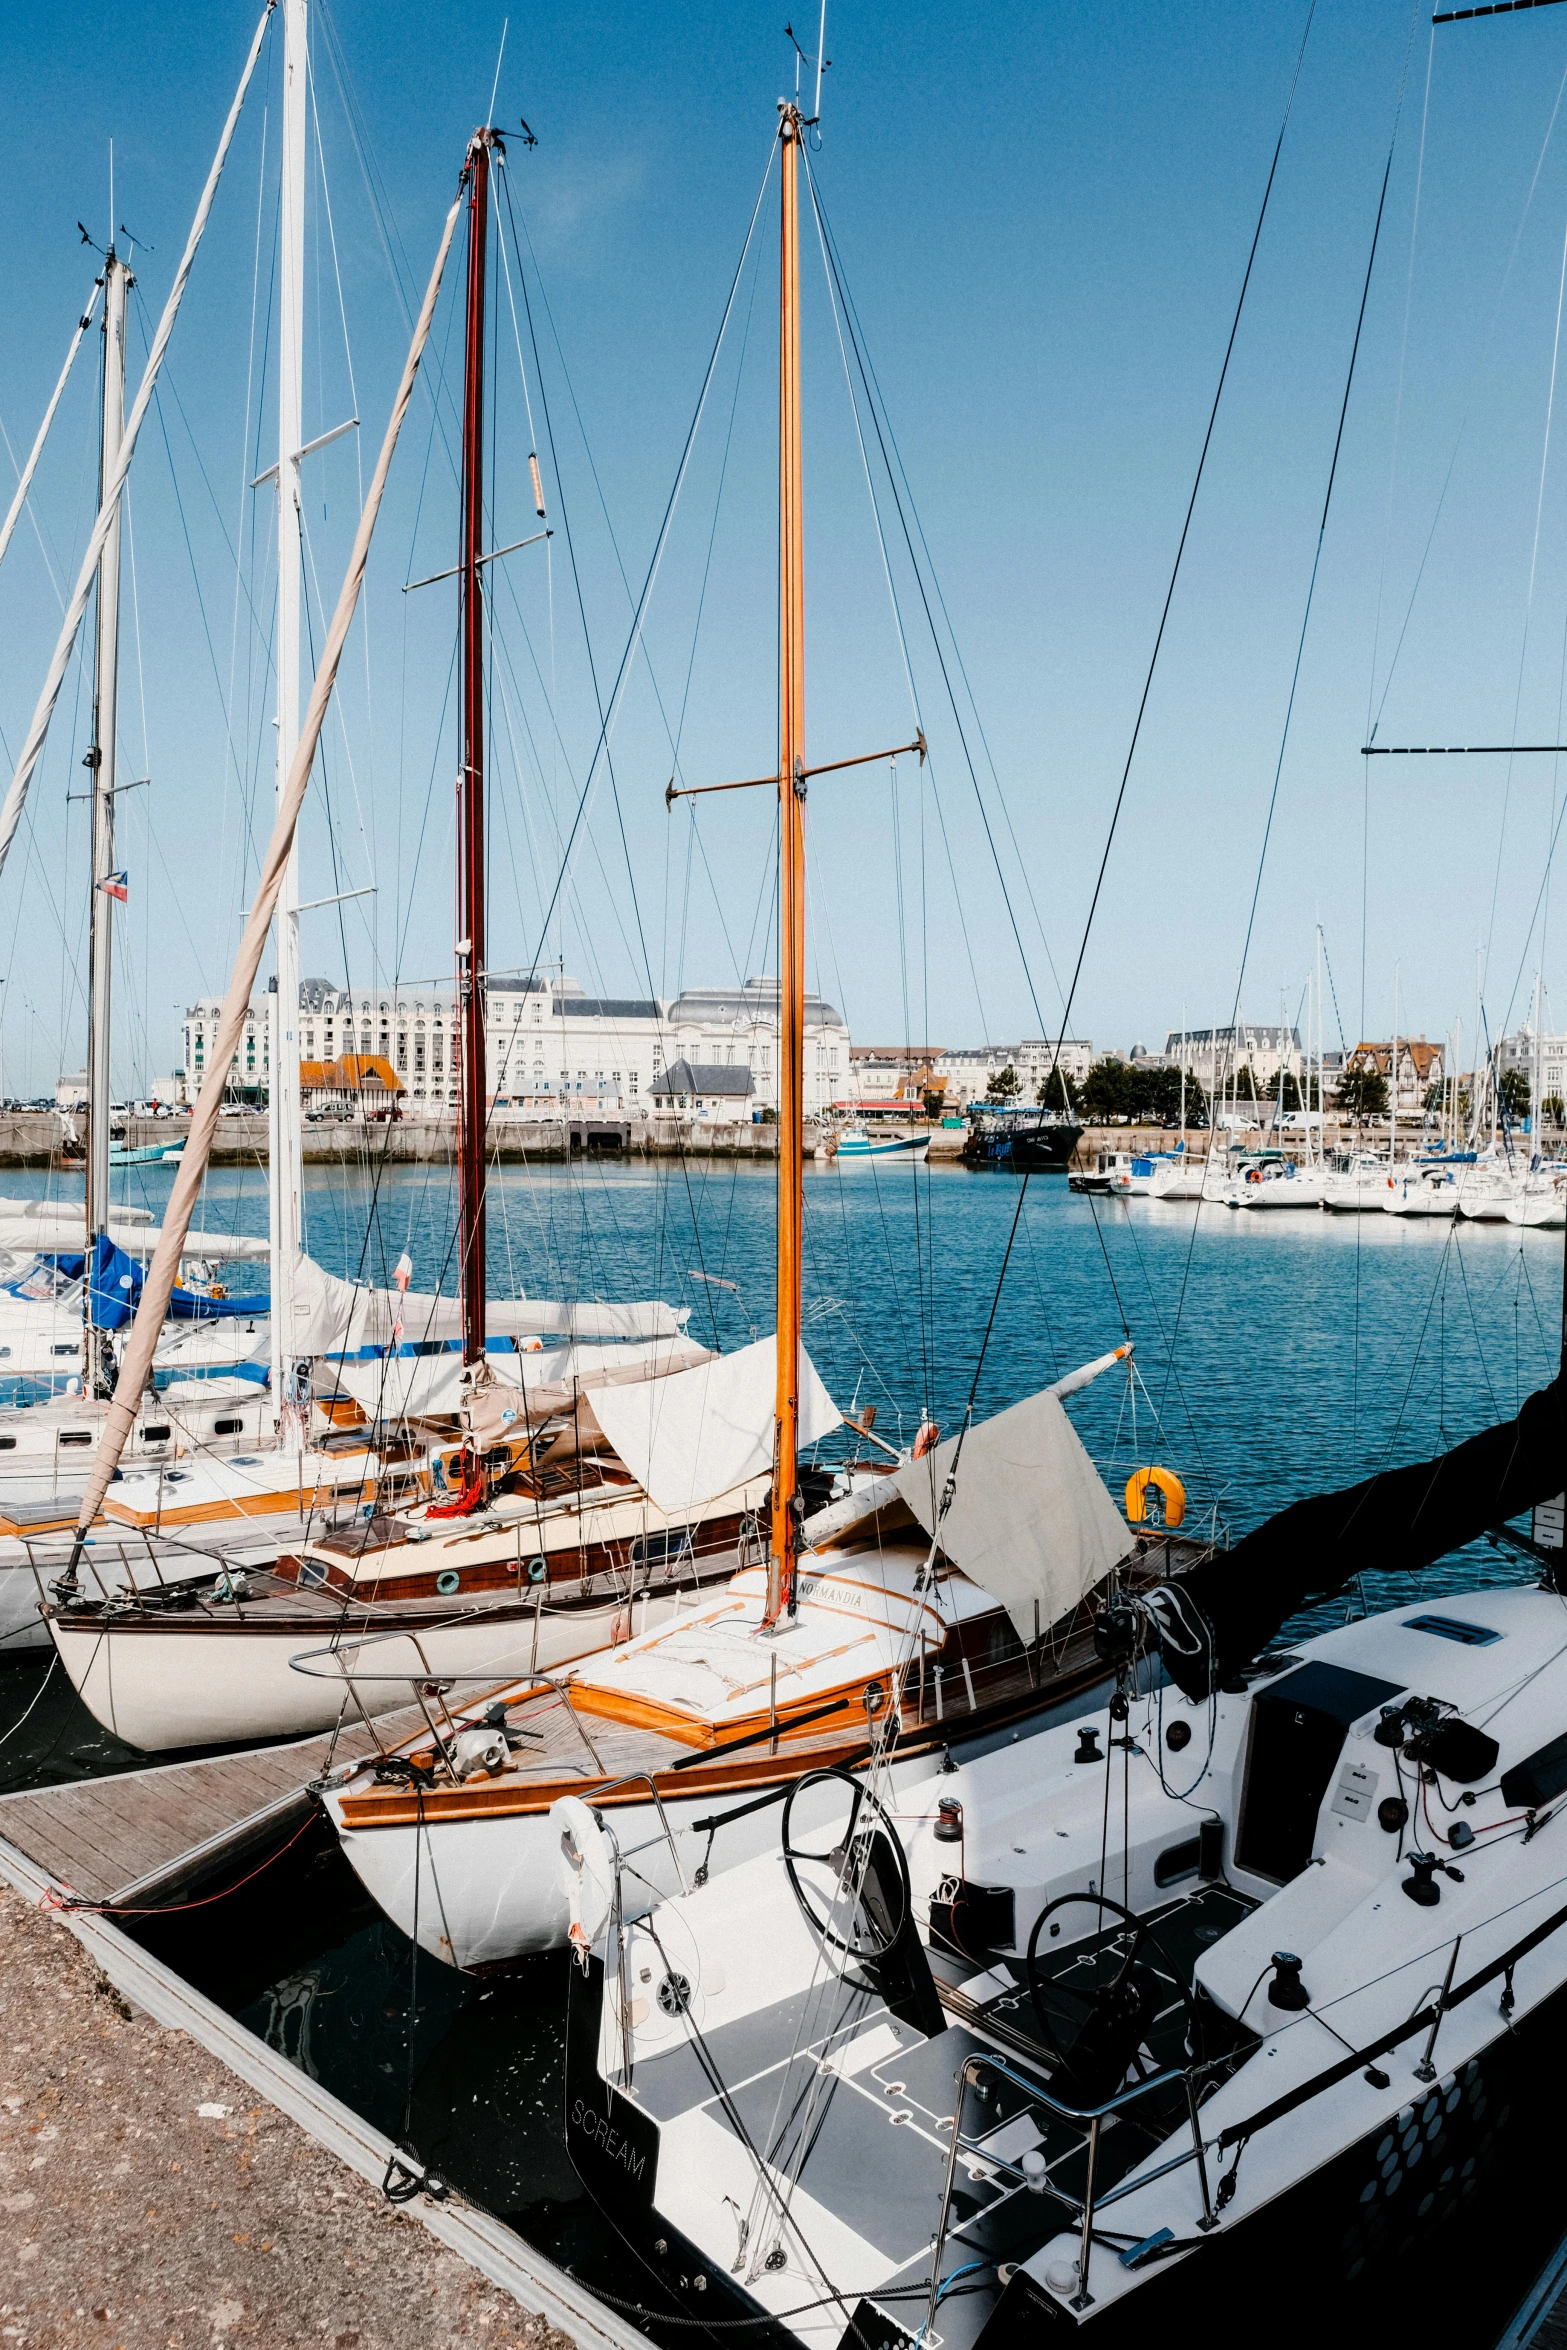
(704, 1089)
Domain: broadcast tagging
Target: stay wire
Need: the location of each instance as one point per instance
(1142, 705)
(1300, 646)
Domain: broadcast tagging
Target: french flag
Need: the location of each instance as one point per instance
(116, 885)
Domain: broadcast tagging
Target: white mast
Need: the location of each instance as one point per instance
(283, 1088)
(1392, 1085)
(101, 763)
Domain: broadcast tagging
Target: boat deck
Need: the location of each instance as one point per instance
(142, 1835)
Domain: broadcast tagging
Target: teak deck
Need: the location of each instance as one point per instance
(144, 1832)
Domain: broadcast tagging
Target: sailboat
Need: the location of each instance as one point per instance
(1042, 2047)
(493, 1525)
(76, 1274)
(943, 1601)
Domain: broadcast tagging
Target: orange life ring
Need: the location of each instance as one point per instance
(1168, 1484)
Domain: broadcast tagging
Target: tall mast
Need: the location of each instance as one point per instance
(470, 782)
(284, 1162)
(791, 883)
(101, 762)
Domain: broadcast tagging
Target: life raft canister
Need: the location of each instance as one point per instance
(1168, 1484)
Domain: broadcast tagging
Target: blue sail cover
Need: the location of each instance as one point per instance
(114, 1292)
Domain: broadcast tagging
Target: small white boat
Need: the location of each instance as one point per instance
(1358, 1186)
(1542, 1203)
(1277, 1183)
(1487, 1190)
(854, 1144)
(1421, 1191)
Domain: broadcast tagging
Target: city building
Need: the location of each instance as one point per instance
(250, 1066)
(353, 1083)
(1521, 1050)
(1216, 1056)
(881, 1075)
(965, 1071)
(1420, 1066)
(703, 1090)
(550, 1048)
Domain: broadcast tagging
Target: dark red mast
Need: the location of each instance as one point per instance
(471, 964)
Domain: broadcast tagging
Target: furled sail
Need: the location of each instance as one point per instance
(336, 1317)
(1399, 1521)
(401, 1387)
(1029, 1520)
(689, 1438)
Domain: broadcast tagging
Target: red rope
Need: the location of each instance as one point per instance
(113, 1909)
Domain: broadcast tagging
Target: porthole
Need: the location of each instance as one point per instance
(75, 1436)
(155, 1435)
(228, 1427)
(448, 1582)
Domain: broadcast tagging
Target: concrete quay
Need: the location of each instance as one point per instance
(31, 1138)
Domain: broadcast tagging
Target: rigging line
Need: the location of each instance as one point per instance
(876, 402)
(1398, 403)
(1115, 817)
(246, 497)
(1523, 650)
(712, 536)
(587, 448)
(24, 474)
(656, 559)
(582, 610)
(1458, 438)
(830, 269)
(331, 230)
(1300, 646)
(32, 517)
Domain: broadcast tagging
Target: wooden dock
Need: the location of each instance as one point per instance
(141, 1836)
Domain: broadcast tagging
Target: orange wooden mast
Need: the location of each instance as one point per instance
(791, 884)
(790, 783)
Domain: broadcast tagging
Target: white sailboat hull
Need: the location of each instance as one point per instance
(194, 1684)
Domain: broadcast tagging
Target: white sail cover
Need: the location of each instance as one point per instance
(690, 1438)
(398, 1387)
(59, 1228)
(1030, 1520)
(332, 1316)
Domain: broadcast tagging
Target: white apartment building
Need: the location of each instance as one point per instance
(966, 1070)
(1216, 1055)
(551, 1049)
(1520, 1050)
(250, 1067)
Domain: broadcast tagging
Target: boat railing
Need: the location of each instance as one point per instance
(1092, 2119)
(1427, 2018)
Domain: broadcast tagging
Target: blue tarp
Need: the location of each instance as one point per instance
(115, 1292)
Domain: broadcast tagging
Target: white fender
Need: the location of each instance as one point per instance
(588, 1869)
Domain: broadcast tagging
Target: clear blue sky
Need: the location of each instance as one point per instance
(1043, 214)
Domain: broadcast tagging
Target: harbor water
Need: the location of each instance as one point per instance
(1274, 1356)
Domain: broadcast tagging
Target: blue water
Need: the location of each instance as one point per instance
(1274, 1354)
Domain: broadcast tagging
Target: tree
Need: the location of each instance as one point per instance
(1362, 1094)
(1554, 1110)
(1512, 1093)
(1003, 1085)
(1108, 1092)
(1286, 1094)
(1058, 1093)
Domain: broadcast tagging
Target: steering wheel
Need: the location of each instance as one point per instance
(1106, 1998)
(876, 1928)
